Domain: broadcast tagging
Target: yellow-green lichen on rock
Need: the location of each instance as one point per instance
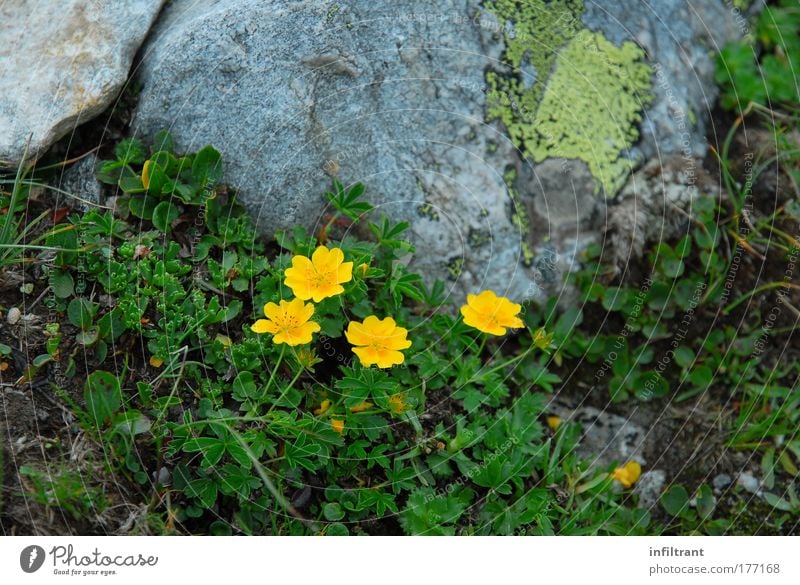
(592, 106)
(588, 94)
(538, 31)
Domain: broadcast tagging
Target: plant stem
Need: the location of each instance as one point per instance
(482, 345)
(755, 291)
(511, 361)
(275, 369)
(285, 390)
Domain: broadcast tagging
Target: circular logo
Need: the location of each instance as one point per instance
(31, 558)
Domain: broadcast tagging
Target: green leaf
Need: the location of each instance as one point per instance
(62, 284)
(244, 386)
(614, 298)
(675, 500)
(207, 167)
(162, 140)
(203, 489)
(87, 336)
(211, 448)
(706, 502)
(337, 530)
(777, 502)
(132, 423)
(103, 396)
(130, 150)
(332, 511)
(142, 207)
(80, 313)
(164, 214)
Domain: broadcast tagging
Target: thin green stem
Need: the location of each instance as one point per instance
(275, 369)
(482, 345)
(755, 291)
(271, 487)
(285, 391)
(512, 360)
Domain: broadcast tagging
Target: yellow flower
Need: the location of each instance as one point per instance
(398, 404)
(323, 407)
(553, 422)
(320, 277)
(156, 362)
(337, 425)
(627, 474)
(378, 341)
(361, 407)
(289, 323)
(491, 314)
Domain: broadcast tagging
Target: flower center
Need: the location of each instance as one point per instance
(320, 279)
(288, 322)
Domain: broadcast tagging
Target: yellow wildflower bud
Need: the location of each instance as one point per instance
(627, 474)
(553, 422)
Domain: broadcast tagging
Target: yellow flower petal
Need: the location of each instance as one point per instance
(361, 407)
(156, 362)
(320, 276)
(553, 422)
(323, 407)
(491, 314)
(628, 474)
(263, 326)
(337, 425)
(378, 341)
(288, 322)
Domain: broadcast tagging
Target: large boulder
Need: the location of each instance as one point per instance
(63, 62)
(498, 129)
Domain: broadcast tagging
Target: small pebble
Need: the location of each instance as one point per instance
(163, 477)
(720, 482)
(748, 482)
(14, 315)
(649, 487)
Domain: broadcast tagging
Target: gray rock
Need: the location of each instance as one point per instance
(653, 205)
(81, 189)
(607, 439)
(749, 482)
(394, 95)
(13, 316)
(649, 487)
(721, 482)
(680, 38)
(64, 61)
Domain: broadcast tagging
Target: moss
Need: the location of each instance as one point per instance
(454, 267)
(429, 211)
(478, 238)
(587, 95)
(332, 12)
